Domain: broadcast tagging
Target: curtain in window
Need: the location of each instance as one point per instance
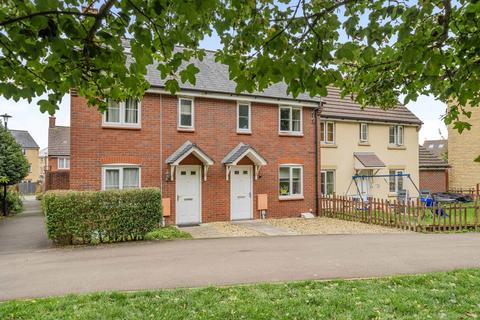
(243, 116)
(186, 113)
(296, 181)
(296, 123)
(113, 111)
(284, 181)
(322, 131)
(285, 119)
(130, 178)
(112, 179)
(330, 132)
(131, 111)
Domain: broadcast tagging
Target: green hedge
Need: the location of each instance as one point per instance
(101, 216)
(14, 202)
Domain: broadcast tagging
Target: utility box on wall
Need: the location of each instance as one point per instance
(262, 202)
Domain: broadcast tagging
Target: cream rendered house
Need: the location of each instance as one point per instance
(368, 142)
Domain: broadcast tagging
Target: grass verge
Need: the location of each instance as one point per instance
(449, 295)
(167, 233)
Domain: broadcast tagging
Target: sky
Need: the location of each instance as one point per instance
(27, 116)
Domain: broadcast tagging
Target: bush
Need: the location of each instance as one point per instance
(167, 233)
(14, 202)
(101, 216)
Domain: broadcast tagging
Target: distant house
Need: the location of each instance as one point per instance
(43, 162)
(433, 171)
(30, 150)
(58, 146)
(463, 149)
(437, 147)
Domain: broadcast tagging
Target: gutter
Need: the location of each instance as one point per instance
(316, 114)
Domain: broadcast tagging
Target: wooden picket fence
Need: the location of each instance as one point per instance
(412, 215)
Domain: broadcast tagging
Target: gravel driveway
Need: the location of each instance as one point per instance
(323, 225)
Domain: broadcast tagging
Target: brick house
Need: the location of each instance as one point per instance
(57, 173)
(433, 171)
(213, 152)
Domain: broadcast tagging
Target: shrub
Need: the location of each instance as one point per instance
(168, 233)
(14, 202)
(101, 216)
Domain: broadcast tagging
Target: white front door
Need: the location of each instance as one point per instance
(188, 190)
(241, 192)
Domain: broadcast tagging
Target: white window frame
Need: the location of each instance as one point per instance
(397, 171)
(290, 131)
(63, 166)
(249, 130)
(179, 118)
(325, 132)
(121, 122)
(291, 166)
(324, 173)
(120, 167)
(398, 135)
(363, 132)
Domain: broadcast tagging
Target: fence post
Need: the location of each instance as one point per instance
(475, 213)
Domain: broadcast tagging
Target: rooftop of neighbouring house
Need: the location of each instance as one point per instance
(213, 77)
(437, 147)
(24, 139)
(428, 160)
(58, 139)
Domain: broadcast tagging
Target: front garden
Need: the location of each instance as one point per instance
(449, 295)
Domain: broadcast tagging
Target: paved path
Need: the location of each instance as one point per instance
(25, 231)
(264, 228)
(165, 264)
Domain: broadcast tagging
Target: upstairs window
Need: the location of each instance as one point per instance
(123, 113)
(396, 135)
(327, 132)
(290, 120)
(185, 113)
(243, 117)
(121, 178)
(363, 132)
(64, 163)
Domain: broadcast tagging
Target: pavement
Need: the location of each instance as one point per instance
(25, 231)
(193, 263)
(264, 228)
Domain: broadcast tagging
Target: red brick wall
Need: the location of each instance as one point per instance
(57, 180)
(215, 133)
(434, 180)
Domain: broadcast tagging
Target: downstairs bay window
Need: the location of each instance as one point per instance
(121, 177)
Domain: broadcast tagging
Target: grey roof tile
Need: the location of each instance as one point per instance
(24, 139)
(437, 147)
(236, 152)
(428, 160)
(59, 141)
(184, 148)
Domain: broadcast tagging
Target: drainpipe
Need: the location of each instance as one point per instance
(316, 114)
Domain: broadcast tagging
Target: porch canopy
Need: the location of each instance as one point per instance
(367, 160)
(183, 152)
(241, 151)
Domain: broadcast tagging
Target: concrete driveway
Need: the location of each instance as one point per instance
(167, 264)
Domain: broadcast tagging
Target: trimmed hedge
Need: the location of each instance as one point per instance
(14, 202)
(101, 216)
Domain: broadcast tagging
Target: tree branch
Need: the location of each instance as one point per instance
(46, 13)
(104, 9)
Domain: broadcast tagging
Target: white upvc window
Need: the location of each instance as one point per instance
(363, 132)
(396, 134)
(63, 163)
(327, 182)
(395, 180)
(244, 117)
(121, 177)
(290, 180)
(290, 120)
(327, 132)
(123, 113)
(186, 114)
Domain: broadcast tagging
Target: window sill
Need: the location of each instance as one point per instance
(328, 145)
(392, 194)
(121, 126)
(244, 132)
(186, 129)
(290, 134)
(393, 147)
(290, 198)
(366, 144)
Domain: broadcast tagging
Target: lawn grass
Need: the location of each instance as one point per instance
(167, 233)
(450, 214)
(450, 295)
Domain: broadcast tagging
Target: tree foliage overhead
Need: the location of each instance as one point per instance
(13, 163)
(374, 50)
